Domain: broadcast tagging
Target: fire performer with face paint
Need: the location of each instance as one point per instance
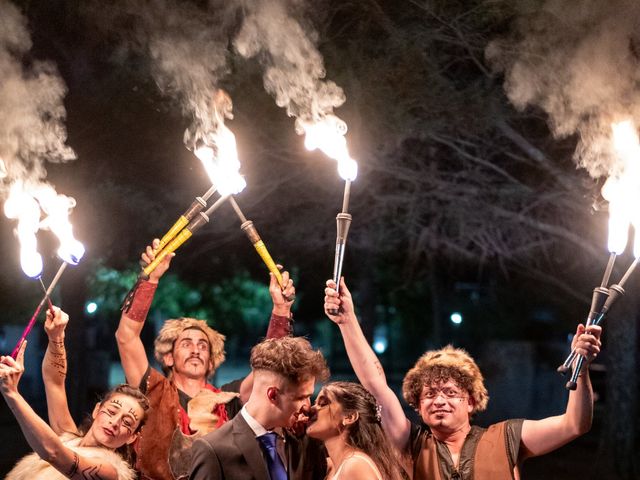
(446, 388)
(61, 449)
(184, 405)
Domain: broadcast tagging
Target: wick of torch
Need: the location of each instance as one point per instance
(185, 234)
(249, 228)
(196, 207)
(32, 321)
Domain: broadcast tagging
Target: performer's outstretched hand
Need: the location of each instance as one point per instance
(148, 256)
(342, 303)
(282, 298)
(11, 370)
(587, 342)
(55, 324)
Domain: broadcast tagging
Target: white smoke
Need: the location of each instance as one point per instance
(273, 31)
(187, 48)
(32, 129)
(579, 61)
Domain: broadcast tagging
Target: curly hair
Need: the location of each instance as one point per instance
(448, 363)
(366, 433)
(291, 357)
(172, 329)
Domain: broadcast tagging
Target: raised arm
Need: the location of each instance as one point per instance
(280, 321)
(39, 435)
(54, 373)
(365, 363)
(543, 436)
(132, 354)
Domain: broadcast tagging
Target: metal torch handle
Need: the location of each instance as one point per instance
(337, 264)
(572, 384)
(566, 366)
(337, 269)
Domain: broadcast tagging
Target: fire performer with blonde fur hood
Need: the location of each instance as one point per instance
(446, 388)
(183, 405)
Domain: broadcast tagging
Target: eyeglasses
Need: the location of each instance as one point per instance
(447, 392)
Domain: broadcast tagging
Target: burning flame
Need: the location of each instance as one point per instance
(26, 204)
(23, 207)
(328, 135)
(221, 161)
(58, 207)
(622, 188)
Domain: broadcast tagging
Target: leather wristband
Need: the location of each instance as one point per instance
(279, 326)
(138, 301)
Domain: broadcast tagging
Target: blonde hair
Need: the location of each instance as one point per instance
(172, 329)
(448, 363)
(291, 357)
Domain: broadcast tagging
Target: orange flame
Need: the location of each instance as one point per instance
(216, 147)
(221, 162)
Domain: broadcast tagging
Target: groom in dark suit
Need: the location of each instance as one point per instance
(258, 444)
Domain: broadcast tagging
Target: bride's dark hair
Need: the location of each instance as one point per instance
(366, 433)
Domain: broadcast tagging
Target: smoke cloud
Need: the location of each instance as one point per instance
(273, 30)
(32, 130)
(578, 61)
(187, 48)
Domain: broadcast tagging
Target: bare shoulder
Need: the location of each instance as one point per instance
(359, 467)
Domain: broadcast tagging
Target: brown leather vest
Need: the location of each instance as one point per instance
(490, 459)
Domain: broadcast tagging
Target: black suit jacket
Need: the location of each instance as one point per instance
(232, 452)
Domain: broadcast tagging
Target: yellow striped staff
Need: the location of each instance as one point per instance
(185, 234)
(250, 229)
(199, 203)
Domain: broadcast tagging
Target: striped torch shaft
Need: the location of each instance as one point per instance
(185, 234)
(196, 207)
(248, 228)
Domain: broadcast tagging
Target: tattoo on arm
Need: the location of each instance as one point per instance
(92, 473)
(74, 467)
(59, 362)
(378, 367)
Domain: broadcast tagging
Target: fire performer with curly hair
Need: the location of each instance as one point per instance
(183, 404)
(446, 388)
(260, 443)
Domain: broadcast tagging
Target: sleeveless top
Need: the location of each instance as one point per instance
(362, 456)
(487, 454)
(33, 467)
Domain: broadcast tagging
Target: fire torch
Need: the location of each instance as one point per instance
(327, 134)
(199, 203)
(249, 229)
(621, 191)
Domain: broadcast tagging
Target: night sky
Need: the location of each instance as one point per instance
(482, 132)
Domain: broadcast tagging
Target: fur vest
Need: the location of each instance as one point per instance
(32, 466)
